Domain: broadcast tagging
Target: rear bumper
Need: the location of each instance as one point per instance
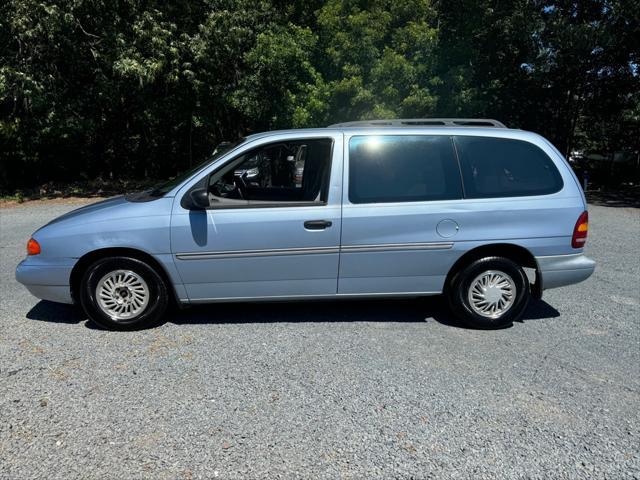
(48, 282)
(560, 270)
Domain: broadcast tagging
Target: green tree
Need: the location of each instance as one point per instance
(128, 89)
(548, 66)
(376, 60)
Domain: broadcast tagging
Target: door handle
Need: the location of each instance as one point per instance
(317, 224)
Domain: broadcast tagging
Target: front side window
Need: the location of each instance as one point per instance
(288, 172)
(402, 168)
(501, 167)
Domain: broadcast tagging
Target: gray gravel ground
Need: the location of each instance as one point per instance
(391, 389)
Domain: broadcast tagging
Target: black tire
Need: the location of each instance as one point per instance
(149, 316)
(458, 293)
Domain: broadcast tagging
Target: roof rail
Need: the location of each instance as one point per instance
(423, 122)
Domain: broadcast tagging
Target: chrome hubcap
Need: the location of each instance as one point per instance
(492, 293)
(122, 294)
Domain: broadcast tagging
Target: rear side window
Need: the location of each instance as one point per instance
(402, 168)
(500, 167)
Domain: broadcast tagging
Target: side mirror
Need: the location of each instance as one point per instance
(199, 199)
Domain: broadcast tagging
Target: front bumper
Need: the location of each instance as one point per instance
(46, 280)
(560, 270)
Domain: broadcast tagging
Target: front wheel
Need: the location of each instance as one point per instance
(491, 292)
(123, 293)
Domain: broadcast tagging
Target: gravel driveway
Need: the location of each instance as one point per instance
(385, 389)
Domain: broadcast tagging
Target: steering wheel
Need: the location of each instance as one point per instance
(240, 184)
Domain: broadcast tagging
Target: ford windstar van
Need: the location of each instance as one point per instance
(486, 215)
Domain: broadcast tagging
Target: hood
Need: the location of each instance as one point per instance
(117, 208)
(93, 208)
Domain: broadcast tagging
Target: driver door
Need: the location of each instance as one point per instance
(273, 226)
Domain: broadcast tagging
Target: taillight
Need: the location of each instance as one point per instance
(580, 231)
(33, 247)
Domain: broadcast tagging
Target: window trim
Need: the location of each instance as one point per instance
(394, 201)
(204, 181)
(268, 205)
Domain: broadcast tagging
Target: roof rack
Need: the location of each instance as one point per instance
(423, 122)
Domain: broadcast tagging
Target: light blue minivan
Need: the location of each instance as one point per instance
(488, 216)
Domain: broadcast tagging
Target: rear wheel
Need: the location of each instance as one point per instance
(123, 293)
(491, 292)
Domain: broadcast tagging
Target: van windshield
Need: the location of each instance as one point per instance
(164, 188)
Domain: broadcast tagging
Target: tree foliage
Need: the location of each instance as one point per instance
(130, 88)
